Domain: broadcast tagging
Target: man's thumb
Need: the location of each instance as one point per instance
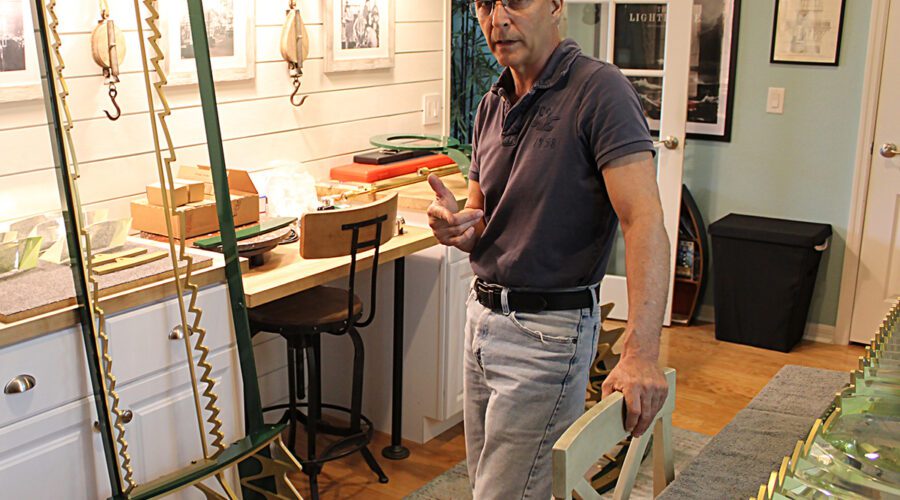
(437, 185)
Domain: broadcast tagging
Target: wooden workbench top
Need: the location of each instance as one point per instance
(68, 316)
(285, 272)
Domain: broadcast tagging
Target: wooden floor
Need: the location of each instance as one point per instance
(715, 381)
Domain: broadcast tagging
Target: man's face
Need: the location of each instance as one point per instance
(519, 36)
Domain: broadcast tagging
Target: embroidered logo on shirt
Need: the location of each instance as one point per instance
(546, 143)
(544, 120)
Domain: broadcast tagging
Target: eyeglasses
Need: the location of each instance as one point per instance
(484, 8)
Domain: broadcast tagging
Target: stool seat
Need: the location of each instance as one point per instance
(317, 310)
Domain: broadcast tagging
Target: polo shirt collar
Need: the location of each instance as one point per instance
(556, 69)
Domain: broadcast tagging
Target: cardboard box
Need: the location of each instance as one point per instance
(195, 189)
(179, 194)
(199, 218)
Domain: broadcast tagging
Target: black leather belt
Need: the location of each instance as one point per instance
(490, 296)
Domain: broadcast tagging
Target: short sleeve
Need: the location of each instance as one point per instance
(611, 119)
(474, 167)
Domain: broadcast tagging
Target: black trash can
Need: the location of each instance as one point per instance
(764, 271)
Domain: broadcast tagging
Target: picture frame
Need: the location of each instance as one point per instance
(359, 34)
(231, 29)
(714, 50)
(807, 32)
(20, 74)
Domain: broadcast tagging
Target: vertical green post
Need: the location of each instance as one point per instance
(252, 402)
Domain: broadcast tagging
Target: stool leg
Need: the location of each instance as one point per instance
(292, 397)
(356, 395)
(356, 402)
(373, 464)
(315, 414)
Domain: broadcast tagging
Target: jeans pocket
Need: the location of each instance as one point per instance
(557, 327)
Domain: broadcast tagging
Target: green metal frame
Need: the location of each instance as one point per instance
(258, 434)
(70, 213)
(253, 414)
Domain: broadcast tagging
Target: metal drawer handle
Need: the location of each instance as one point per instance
(177, 333)
(127, 417)
(20, 384)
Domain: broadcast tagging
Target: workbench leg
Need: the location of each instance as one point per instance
(396, 451)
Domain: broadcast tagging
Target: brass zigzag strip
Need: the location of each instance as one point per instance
(109, 382)
(166, 175)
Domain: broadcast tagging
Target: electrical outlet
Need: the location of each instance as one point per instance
(431, 109)
(775, 101)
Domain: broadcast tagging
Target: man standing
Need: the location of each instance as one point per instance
(561, 154)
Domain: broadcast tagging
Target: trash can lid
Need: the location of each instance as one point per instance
(766, 229)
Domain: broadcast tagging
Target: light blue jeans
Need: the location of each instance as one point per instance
(525, 381)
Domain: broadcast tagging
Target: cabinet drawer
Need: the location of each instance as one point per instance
(139, 339)
(56, 362)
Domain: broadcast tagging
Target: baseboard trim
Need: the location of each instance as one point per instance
(815, 332)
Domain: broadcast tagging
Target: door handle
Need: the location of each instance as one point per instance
(670, 142)
(20, 384)
(889, 150)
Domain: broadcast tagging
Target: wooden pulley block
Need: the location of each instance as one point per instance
(108, 46)
(294, 39)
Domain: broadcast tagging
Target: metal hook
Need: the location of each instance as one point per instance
(296, 91)
(112, 96)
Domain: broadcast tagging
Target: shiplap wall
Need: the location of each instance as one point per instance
(259, 126)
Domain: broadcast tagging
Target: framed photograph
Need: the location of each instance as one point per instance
(640, 44)
(807, 32)
(231, 32)
(20, 75)
(359, 34)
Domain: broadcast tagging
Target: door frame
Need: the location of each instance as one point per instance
(878, 25)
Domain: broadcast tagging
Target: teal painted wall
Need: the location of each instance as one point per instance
(798, 165)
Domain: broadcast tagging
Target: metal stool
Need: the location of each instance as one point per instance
(302, 318)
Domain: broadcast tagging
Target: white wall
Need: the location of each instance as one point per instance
(259, 125)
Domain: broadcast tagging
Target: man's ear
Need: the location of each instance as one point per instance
(556, 10)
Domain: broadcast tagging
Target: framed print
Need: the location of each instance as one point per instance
(359, 34)
(20, 76)
(231, 31)
(807, 32)
(640, 44)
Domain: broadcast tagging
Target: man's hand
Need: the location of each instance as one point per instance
(645, 389)
(451, 226)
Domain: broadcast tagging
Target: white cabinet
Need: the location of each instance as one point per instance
(56, 454)
(48, 445)
(459, 278)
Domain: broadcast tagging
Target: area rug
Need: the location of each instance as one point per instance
(454, 484)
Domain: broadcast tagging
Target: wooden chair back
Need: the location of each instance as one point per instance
(329, 233)
(597, 432)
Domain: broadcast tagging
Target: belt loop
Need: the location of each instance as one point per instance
(504, 300)
(595, 292)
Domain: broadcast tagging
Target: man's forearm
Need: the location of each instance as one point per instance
(647, 274)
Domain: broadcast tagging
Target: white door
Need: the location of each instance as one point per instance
(675, 46)
(878, 282)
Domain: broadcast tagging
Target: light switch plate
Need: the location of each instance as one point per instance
(431, 109)
(775, 101)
